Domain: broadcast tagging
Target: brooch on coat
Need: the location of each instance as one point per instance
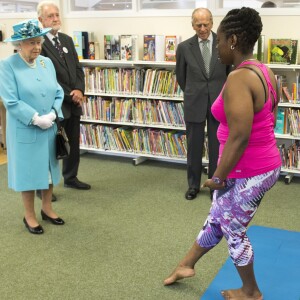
(42, 63)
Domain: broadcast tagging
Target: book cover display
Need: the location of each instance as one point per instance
(92, 50)
(280, 121)
(282, 51)
(81, 43)
(154, 47)
(112, 47)
(171, 43)
(259, 49)
(77, 39)
(129, 47)
(149, 47)
(294, 55)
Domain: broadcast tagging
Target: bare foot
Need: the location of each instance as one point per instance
(240, 295)
(179, 273)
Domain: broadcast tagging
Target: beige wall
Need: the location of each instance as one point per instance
(274, 27)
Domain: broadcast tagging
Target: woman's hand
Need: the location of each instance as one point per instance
(209, 183)
(44, 122)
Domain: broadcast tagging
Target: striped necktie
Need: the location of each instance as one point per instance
(206, 55)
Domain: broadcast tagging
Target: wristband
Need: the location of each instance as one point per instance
(217, 180)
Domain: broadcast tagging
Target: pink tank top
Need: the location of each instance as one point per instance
(261, 155)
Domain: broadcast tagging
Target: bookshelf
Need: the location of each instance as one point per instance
(132, 117)
(288, 139)
(133, 109)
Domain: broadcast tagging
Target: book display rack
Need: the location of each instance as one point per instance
(287, 130)
(133, 109)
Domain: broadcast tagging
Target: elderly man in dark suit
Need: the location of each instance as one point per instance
(60, 48)
(201, 77)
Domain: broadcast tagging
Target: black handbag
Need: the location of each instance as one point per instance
(61, 140)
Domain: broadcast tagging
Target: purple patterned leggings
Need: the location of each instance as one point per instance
(232, 209)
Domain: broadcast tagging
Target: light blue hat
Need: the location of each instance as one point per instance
(26, 30)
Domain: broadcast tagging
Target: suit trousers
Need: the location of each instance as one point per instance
(195, 143)
(71, 164)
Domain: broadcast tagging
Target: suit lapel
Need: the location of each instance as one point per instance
(195, 49)
(198, 56)
(214, 54)
(68, 56)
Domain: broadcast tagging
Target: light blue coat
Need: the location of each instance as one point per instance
(30, 150)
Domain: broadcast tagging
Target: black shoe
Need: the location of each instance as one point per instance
(191, 194)
(55, 221)
(35, 230)
(39, 195)
(76, 184)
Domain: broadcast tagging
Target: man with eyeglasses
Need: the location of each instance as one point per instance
(201, 77)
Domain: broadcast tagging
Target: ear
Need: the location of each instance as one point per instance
(233, 40)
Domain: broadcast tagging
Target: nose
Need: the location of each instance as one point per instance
(56, 18)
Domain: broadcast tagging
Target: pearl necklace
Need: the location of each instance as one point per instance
(30, 65)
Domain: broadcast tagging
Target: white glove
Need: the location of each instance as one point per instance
(51, 116)
(43, 122)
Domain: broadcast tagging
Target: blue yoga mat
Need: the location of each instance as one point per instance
(276, 265)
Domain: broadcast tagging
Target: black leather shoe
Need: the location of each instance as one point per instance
(39, 195)
(76, 184)
(191, 194)
(35, 230)
(55, 221)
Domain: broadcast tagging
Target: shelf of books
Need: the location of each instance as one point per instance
(282, 58)
(133, 109)
(287, 130)
(127, 63)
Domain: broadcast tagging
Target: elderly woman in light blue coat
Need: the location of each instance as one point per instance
(31, 94)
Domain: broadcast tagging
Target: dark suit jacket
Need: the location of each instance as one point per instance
(69, 73)
(198, 89)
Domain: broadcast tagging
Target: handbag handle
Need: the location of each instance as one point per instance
(59, 126)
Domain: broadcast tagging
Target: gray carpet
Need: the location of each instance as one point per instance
(121, 238)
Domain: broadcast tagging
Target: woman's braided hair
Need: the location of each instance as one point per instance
(246, 24)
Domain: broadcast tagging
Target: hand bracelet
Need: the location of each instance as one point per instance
(217, 180)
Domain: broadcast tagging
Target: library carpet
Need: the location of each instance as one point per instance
(277, 266)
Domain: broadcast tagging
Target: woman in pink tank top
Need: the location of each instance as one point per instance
(249, 161)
